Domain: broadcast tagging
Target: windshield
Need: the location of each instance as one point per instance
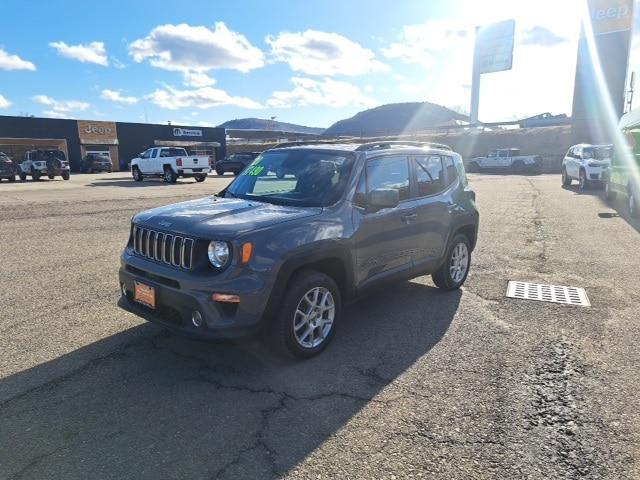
(597, 153)
(295, 177)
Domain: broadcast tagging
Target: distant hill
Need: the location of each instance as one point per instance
(393, 119)
(264, 124)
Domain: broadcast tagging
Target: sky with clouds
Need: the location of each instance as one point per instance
(204, 62)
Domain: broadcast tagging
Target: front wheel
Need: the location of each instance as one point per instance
(584, 183)
(634, 208)
(566, 179)
(453, 272)
(608, 193)
(35, 176)
(23, 177)
(66, 176)
(201, 178)
(308, 315)
(220, 170)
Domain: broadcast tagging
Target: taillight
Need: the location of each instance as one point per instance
(178, 162)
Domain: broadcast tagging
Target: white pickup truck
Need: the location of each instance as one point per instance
(506, 159)
(170, 163)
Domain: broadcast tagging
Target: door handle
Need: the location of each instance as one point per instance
(408, 218)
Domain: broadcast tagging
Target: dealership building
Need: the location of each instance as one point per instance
(120, 141)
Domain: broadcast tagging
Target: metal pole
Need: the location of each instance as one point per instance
(475, 89)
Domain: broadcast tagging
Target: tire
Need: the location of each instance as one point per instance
(473, 167)
(280, 173)
(305, 284)
(632, 204)
(169, 175)
(109, 170)
(66, 175)
(583, 182)
(201, 178)
(444, 277)
(23, 177)
(566, 179)
(12, 179)
(518, 167)
(220, 170)
(236, 172)
(35, 176)
(609, 194)
(51, 177)
(137, 175)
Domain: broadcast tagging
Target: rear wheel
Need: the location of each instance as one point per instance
(220, 170)
(566, 179)
(169, 175)
(201, 178)
(453, 272)
(137, 174)
(308, 315)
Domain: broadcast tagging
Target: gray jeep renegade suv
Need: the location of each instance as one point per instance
(280, 255)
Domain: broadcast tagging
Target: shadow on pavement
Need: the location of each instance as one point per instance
(128, 182)
(162, 406)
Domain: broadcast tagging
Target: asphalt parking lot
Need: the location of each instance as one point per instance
(417, 384)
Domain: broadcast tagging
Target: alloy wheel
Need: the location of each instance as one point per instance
(313, 318)
(459, 263)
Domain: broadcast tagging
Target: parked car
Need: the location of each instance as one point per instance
(50, 163)
(170, 163)
(281, 256)
(586, 163)
(95, 162)
(8, 169)
(236, 162)
(623, 177)
(506, 159)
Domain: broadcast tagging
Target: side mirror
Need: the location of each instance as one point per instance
(383, 198)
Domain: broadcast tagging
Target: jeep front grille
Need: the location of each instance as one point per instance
(162, 247)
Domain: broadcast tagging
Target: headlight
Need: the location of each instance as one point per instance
(218, 253)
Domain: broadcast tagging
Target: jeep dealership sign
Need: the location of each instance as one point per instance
(98, 133)
(186, 132)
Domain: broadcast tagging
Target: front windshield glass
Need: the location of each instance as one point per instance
(597, 153)
(311, 178)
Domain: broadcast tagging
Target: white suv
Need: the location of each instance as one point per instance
(40, 163)
(587, 164)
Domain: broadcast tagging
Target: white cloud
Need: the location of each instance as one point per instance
(60, 108)
(206, 97)
(198, 79)
(327, 92)
(544, 60)
(94, 52)
(422, 44)
(4, 103)
(323, 53)
(203, 123)
(187, 48)
(14, 62)
(116, 96)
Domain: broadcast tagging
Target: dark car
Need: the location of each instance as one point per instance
(281, 256)
(236, 162)
(8, 169)
(95, 162)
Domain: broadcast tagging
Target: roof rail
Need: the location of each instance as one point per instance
(382, 145)
(303, 142)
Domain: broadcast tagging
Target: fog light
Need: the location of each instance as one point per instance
(225, 297)
(196, 319)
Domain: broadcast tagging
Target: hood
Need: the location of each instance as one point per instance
(220, 218)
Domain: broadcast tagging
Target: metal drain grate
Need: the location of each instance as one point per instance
(548, 293)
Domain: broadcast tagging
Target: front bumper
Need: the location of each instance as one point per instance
(596, 174)
(178, 294)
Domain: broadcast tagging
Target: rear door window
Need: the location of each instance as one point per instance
(429, 175)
